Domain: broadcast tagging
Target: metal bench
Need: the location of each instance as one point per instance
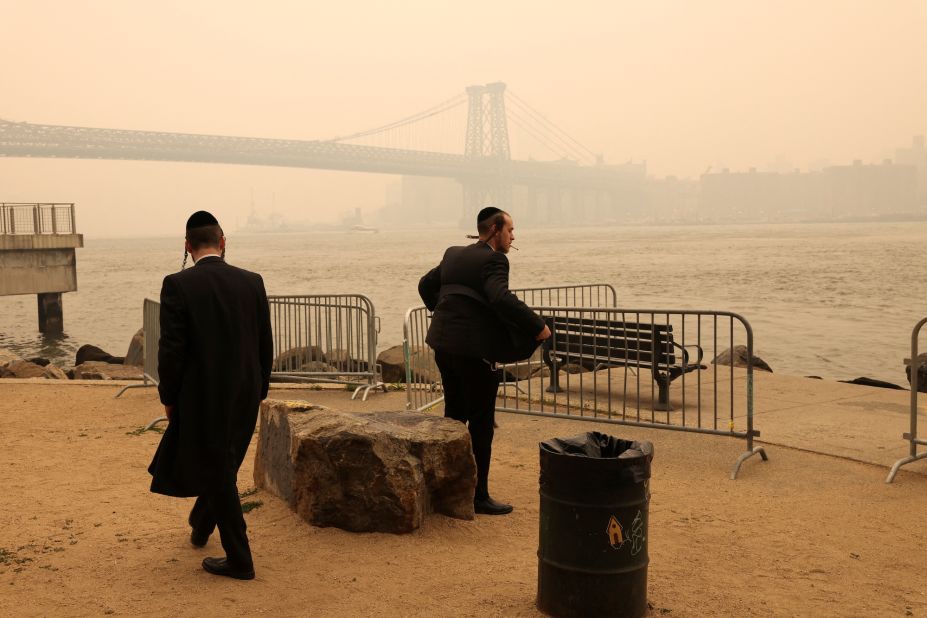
(600, 344)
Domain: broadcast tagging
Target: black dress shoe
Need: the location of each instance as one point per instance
(488, 506)
(221, 566)
(198, 539)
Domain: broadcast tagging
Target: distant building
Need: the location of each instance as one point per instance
(672, 199)
(421, 200)
(871, 190)
(836, 192)
(916, 156)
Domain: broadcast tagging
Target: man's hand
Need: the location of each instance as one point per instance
(169, 412)
(544, 334)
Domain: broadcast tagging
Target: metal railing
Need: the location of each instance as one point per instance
(641, 367)
(423, 382)
(911, 435)
(326, 338)
(38, 218)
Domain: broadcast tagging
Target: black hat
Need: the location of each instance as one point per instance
(486, 213)
(201, 218)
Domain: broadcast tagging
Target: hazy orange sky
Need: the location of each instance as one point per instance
(681, 85)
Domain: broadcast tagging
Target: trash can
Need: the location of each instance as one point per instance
(592, 546)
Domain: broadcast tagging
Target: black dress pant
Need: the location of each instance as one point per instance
(222, 508)
(470, 387)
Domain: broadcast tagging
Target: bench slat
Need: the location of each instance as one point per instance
(578, 352)
(587, 323)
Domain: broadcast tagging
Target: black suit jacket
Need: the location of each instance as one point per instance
(486, 324)
(214, 362)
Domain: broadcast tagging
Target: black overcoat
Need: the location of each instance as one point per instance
(475, 313)
(214, 362)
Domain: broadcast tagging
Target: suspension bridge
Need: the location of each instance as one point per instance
(487, 138)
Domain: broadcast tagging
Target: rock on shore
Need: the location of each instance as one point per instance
(738, 357)
(98, 370)
(26, 369)
(135, 355)
(89, 352)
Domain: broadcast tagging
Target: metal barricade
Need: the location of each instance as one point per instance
(641, 367)
(583, 295)
(911, 435)
(423, 382)
(151, 327)
(328, 338)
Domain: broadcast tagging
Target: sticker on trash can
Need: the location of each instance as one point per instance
(616, 534)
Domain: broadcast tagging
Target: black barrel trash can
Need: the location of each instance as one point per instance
(592, 547)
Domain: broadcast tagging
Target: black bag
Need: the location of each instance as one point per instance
(517, 346)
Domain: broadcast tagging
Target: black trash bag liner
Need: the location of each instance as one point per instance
(595, 444)
(595, 457)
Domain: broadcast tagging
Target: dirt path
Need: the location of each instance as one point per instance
(800, 535)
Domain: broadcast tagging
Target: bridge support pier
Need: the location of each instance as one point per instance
(479, 194)
(51, 313)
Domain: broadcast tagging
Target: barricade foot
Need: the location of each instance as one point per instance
(503, 385)
(367, 388)
(902, 462)
(757, 450)
(154, 422)
(125, 388)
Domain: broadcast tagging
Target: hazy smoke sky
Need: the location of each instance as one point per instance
(682, 85)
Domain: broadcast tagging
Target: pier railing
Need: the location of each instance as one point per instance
(911, 436)
(37, 218)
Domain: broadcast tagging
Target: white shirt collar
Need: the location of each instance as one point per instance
(195, 262)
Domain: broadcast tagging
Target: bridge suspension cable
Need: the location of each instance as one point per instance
(568, 142)
(525, 125)
(440, 108)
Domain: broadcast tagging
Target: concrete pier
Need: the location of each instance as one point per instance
(37, 256)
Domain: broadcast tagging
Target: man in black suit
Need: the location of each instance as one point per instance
(477, 321)
(214, 362)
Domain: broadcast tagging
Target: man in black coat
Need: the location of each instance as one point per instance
(214, 363)
(477, 321)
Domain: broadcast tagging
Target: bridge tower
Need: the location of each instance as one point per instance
(487, 143)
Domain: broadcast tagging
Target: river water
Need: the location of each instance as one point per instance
(833, 300)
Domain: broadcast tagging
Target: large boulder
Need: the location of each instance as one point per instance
(93, 353)
(295, 358)
(343, 361)
(135, 355)
(738, 357)
(373, 472)
(26, 369)
(392, 363)
(98, 370)
(423, 367)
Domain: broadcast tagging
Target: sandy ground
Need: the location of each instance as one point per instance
(804, 534)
